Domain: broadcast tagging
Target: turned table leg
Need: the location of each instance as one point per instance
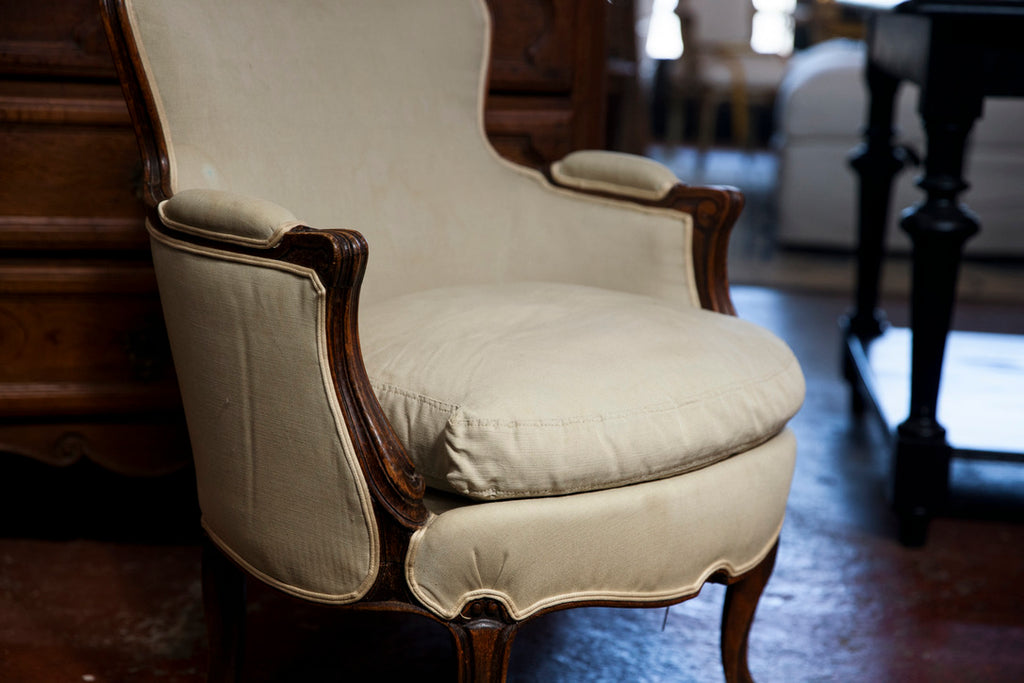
(876, 163)
(938, 227)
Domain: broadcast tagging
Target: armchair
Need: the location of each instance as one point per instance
(720, 66)
(535, 399)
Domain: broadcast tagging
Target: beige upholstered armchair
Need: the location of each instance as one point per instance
(528, 404)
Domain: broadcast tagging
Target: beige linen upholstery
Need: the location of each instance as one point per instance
(540, 389)
(279, 486)
(615, 173)
(645, 543)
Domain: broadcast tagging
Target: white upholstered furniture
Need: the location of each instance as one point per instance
(820, 114)
(527, 406)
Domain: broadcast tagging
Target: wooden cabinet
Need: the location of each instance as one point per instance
(86, 372)
(85, 369)
(547, 78)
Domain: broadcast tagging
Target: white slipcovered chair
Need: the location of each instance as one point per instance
(820, 115)
(528, 407)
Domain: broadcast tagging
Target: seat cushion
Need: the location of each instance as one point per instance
(540, 389)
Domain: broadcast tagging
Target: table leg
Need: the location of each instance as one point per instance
(938, 227)
(876, 163)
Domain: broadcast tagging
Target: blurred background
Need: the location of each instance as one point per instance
(769, 96)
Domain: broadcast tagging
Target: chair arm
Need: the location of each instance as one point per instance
(615, 173)
(645, 182)
(245, 228)
(227, 217)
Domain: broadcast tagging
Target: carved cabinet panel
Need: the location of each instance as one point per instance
(547, 78)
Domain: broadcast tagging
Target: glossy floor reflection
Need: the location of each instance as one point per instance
(846, 602)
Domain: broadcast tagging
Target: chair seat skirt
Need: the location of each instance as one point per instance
(529, 390)
(654, 542)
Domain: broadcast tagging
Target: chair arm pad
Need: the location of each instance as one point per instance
(617, 173)
(227, 217)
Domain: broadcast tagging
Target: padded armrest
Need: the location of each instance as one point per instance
(617, 173)
(227, 217)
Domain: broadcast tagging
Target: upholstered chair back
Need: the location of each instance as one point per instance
(367, 115)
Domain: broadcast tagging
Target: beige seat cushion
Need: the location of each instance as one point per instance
(540, 389)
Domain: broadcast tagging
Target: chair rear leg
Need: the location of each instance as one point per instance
(224, 604)
(741, 600)
(483, 638)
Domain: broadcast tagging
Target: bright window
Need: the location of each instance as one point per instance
(664, 37)
(772, 30)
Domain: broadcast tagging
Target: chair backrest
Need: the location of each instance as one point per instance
(368, 115)
(362, 115)
(717, 22)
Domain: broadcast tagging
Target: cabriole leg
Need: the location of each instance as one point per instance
(737, 616)
(483, 642)
(224, 604)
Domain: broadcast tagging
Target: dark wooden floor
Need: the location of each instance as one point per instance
(846, 603)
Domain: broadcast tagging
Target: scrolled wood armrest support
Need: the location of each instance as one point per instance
(338, 257)
(714, 209)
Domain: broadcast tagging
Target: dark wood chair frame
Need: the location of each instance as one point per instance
(483, 632)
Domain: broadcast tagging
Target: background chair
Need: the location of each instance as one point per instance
(526, 406)
(719, 66)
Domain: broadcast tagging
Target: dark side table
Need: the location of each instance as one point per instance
(958, 53)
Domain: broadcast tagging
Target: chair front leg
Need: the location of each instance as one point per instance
(741, 598)
(224, 604)
(483, 636)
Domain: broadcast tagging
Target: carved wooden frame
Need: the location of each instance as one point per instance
(484, 631)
